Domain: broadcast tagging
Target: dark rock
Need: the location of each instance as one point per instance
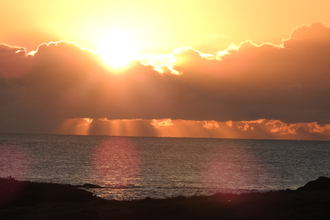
(322, 183)
(89, 185)
(39, 201)
(33, 193)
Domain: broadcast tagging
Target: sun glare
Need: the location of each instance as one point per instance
(117, 49)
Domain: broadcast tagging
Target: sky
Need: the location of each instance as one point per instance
(222, 69)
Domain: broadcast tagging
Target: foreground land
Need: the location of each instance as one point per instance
(28, 200)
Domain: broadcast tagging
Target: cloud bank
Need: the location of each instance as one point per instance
(60, 80)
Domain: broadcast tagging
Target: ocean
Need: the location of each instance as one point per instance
(132, 168)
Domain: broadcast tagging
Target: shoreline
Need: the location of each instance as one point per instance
(33, 200)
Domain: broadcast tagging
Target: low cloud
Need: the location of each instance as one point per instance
(288, 83)
(256, 129)
(165, 122)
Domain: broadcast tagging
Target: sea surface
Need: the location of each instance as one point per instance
(138, 167)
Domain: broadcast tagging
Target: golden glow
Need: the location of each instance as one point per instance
(173, 37)
(118, 49)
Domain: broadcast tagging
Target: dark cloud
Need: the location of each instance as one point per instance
(13, 61)
(61, 80)
(289, 82)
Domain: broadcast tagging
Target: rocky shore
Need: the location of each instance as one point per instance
(30, 200)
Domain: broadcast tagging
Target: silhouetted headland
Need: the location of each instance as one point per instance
(31, 200)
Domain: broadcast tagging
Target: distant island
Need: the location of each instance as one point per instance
(33, 200)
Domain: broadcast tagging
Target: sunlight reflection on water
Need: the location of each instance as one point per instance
(116, 161)
(234, 166)
(14, 161)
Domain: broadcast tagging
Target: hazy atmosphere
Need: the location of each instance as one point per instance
(225, 69)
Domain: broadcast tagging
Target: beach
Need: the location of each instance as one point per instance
(32, 200)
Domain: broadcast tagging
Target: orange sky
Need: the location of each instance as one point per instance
(158, 26)
(229, 69)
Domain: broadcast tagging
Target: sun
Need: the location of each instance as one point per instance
(117, 49)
